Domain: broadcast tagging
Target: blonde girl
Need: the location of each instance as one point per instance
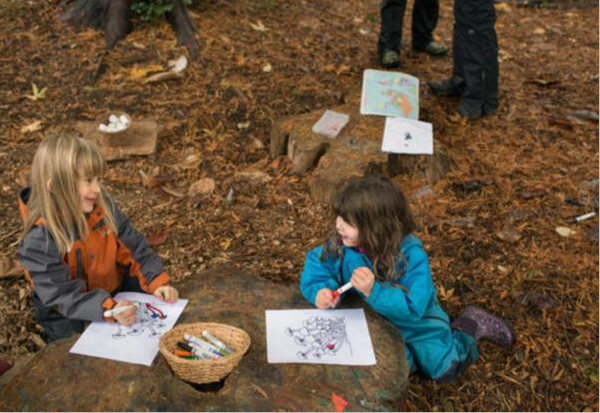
(77, 247)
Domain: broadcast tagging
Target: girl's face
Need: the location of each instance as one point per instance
(89, 188)
(347, 232)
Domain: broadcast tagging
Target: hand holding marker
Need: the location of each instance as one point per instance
(118, 310)
(335, 294)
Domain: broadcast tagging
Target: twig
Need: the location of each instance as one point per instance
(8, 235)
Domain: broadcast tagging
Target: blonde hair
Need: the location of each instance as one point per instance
(55, 192)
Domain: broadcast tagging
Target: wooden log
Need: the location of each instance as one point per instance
(55, 380)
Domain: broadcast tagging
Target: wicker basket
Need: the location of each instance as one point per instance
(204, 371)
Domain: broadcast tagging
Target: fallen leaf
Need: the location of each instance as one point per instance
(204, 186)
(178, 65)
(10, 268)
(508, 234)
(137, 73)
(158, 238)
(254, 176)
(364, 32)
(32, 127)
(565, 232)
(162, 76)
(243, 125)
(259, 26)
(539, 30)
(225, 243)
(502, 7)
(173, 192)
(37, 93)
(339, 402)
(267, 68)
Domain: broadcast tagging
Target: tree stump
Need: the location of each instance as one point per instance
(114, 18)
(355, 152)
(53, 379)
(139, 139)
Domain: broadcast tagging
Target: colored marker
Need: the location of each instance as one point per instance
(335, 294)
(203, 352)
(117, 310)
(582, 217)
(216, 342)
(195, 351)
(182, 353)
(203, 345)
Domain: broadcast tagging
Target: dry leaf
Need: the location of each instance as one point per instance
(137, 73)
(508, 234)
(267, 68)
(254, 176)
(259, 26)
(32, 127)
(158, 238)
(178, 65)
(565, 232)
(204, 186)
(10, 268)
(159, 77)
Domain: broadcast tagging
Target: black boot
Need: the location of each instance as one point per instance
(453, 86)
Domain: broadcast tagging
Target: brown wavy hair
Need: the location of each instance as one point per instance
(380, 212)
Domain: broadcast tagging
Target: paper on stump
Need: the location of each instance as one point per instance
(389, 94)
(330, 124)
(407, 136)
(319, 337)
(137, 344)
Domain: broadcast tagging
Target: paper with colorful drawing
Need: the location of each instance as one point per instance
(137, 344)
(319, 337)
(393, 94)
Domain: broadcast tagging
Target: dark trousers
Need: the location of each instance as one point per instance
(475, 53)
(424, 19)
(57, 326)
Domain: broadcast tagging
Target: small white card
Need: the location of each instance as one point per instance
(319, 337)
(330, 124)
(407, 136)
(138, 344)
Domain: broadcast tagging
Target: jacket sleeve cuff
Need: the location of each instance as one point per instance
(375, 292)
(108, 304)
(159, 281)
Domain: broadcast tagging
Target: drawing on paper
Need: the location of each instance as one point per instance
(320, 336)
(148, 319)
(390, 94)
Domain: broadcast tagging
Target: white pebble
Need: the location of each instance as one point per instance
(113, 119)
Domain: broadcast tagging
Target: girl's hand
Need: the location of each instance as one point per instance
(126, 318)
(166, 293)
(325, 299)
(363, 280)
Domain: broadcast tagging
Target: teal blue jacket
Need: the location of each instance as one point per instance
(410, 303)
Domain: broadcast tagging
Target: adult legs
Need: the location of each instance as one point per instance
(390, 35)
(424, 19)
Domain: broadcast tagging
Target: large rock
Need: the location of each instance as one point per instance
(55, 380)
(355, 152)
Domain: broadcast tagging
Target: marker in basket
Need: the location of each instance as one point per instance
(195, 351)
(192, 340)
(117, 310)
(335, 294)
(216, 342)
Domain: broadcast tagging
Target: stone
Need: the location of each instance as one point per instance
(53, 379)
(354, 153)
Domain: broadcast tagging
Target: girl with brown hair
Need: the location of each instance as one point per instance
(373, 247)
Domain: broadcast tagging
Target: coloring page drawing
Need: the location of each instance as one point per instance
(389, 94)
(319, 336)
(407, 136)
(137, 344)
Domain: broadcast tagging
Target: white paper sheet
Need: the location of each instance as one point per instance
(407, 136)
(138, 344)
(319, 337)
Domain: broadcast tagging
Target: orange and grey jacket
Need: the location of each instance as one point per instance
(79, 283)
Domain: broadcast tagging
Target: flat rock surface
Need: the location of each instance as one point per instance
(56, 380)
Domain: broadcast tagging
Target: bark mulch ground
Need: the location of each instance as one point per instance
(489, 226)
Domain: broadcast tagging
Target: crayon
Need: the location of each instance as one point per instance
(216, 342)
(182, 353)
